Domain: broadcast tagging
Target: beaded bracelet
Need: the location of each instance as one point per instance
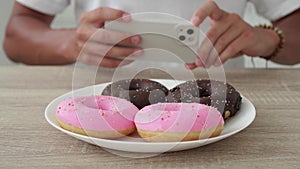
(281, 42)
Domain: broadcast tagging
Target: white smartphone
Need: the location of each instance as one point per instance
(179, 39)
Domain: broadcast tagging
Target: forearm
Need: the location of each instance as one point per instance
(31, 41)
(290, 54)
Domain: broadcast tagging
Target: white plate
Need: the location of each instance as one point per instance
(240, 121)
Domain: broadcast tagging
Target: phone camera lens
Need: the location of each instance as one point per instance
(190, 31)
(182, 38)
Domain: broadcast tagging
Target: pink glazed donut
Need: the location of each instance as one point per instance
(172, 122)
(97, 116)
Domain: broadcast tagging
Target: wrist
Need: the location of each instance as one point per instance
(275, 39)
(67, 48)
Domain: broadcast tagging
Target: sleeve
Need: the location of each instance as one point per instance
(49, 7)
(275, 9)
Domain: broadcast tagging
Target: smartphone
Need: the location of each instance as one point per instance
(169, 41)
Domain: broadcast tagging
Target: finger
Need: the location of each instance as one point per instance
(219, 63)
(87, 33)
(90, 59)
(191, 66)
(230, 35)
(217, 30)
(212, 58)
(211, 37)
(102, 61)
(209, 9)
(234, 48)
(114, 37)
(199, 62)
(102, 14)
(112, 51)
(113, 63)
(124, 52)
(226, 38)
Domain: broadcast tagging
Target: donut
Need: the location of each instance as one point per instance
(174, 122)
(218, 94)
(97, 116)
(141, 92)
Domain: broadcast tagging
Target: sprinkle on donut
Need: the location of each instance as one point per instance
(97, 116)
(218, 94)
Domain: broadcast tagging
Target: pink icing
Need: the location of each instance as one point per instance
(178, 117)
(98, 113)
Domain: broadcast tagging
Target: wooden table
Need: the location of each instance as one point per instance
(28, 141)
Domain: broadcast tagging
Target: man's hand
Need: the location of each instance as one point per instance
(30, 32)
(229, 37)
(101, 46)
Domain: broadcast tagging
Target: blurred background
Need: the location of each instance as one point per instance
(66, 19)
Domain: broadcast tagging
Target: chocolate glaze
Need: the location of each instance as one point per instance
(141, 92)
(220, 95)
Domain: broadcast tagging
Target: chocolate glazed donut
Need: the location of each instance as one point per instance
(141, 92)
(222, 96)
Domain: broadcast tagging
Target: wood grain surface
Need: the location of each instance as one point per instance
(28, 141)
